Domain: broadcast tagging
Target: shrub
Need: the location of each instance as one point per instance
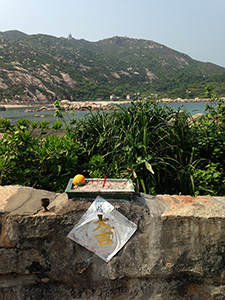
(40, 162)
(130, 141)
(163, 151)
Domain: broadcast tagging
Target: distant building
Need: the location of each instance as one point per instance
(128, 97)
(113, 96)
(69, 36)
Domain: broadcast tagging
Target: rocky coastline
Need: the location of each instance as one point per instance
(105, 105)
(94, 105)
(187, 100)
(66, 105)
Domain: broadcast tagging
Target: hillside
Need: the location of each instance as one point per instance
(41, 68)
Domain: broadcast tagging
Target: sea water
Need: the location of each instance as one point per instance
(15, 113)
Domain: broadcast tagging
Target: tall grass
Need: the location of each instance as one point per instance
(163, 151)
(137, 141)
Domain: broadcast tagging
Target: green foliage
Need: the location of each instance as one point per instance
(209, 92)
(161, 150)
(210, 180)
(210, 138)
(145, 134)
(45, 163)
(96, 166)
(134, 140)
(56, 160)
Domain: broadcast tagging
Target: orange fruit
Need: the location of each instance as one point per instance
(79, 180)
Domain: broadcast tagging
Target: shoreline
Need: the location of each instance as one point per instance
(168, 100)
(8, 105)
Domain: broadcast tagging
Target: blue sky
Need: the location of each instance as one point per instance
(194, 27)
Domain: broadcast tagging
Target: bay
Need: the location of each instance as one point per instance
(192, 107)
(15, 113)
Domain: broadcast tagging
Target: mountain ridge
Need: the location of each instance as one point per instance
(45, 68)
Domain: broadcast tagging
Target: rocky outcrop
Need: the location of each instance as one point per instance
(66, 105)
(195, 118)
(180, 100)
(184, 100)
(43, 108)
(177, 252)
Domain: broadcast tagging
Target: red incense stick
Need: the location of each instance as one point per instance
(109, 184)
(104, 181)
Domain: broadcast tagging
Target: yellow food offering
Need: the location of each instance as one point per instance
(79, 180)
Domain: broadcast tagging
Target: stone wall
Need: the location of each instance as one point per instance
(177, 252)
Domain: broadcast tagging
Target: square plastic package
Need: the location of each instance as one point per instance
(102, 229)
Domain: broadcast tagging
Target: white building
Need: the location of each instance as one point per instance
(113, 96)
(69, 36)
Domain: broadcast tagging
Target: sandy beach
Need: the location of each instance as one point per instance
(8, 105)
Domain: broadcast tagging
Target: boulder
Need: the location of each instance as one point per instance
(43, 108)
(195, 117)
(65, 102)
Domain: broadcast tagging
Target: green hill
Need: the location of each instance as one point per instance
(41, 68)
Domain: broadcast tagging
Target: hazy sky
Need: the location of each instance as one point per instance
(194, 27)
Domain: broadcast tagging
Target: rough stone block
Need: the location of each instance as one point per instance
(177, 252)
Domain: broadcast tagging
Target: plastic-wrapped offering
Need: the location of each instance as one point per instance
(102, 229)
